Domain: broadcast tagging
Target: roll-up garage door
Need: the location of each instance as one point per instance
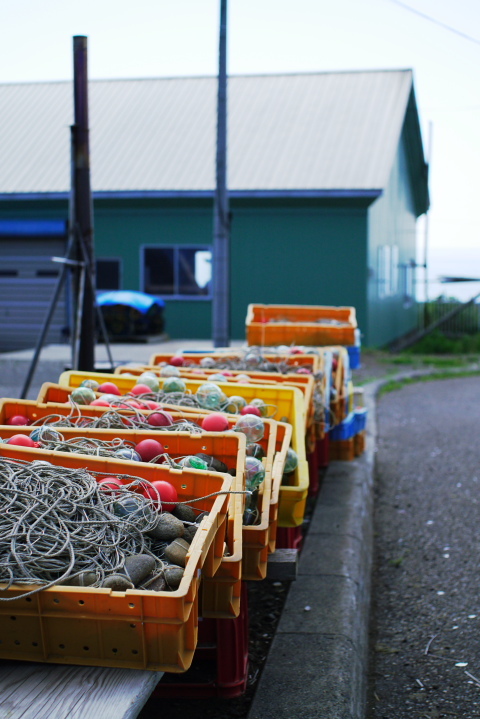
(28, 279)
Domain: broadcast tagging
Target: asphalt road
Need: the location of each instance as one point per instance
(425, 627)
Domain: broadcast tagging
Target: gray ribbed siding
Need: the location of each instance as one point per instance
(327, 131)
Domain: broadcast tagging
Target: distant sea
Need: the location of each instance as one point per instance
(451, 262)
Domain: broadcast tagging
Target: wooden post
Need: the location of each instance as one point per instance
(82, 199)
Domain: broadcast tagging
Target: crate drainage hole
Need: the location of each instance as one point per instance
(86, 649)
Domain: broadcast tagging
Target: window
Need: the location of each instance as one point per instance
(46, 273)
(384, 271)
(177, 271)
(108, 274)
(407, 282)
(387, 271)
(395, 273)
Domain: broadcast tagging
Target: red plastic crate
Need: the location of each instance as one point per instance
(220, 664)
(323, 452)
(313, 472)
(289, 538)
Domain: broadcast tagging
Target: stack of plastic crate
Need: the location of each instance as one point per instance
(347, 439)
(102, 627)
(257, 541)
(217, 590)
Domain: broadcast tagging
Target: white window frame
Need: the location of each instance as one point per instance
(384, 271)
(408, 282)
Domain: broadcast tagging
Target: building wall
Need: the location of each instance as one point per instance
(298, 253)
(392, 224)
(285, 252)
(122, 228)
(282, 252)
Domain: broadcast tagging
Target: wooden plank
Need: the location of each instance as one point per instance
(58, 691)
(282, 565)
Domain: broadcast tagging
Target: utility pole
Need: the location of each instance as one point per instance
(82, 210)
(221, 230)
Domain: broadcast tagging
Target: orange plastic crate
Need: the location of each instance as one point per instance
(295, 360)
(359, 443)
(283, 441)
(342, 450)
(300, 324)
(100, 627)
(247, 545)
(227, 447)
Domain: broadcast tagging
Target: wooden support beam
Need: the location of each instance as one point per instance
(283, 565)
(45, 691)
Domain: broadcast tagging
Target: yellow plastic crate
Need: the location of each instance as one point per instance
(305, 383)
(289, 407)
(101, 627)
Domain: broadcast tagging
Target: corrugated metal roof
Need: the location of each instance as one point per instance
(321, 131)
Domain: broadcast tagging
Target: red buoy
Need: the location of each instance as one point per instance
(215, 422)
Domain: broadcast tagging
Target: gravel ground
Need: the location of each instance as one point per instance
(425, 639)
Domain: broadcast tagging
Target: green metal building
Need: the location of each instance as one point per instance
(326, 173)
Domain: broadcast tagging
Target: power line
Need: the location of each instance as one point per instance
(470, 108)
(437, 22)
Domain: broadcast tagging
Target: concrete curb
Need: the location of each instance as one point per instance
(318, 661)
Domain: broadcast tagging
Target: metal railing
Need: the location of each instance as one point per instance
(452, 318)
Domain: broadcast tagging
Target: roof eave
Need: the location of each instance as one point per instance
(199, 194)
(417, 164)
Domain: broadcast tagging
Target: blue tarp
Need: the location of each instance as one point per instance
(138, 300)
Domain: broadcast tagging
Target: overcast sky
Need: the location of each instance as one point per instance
(156, 38)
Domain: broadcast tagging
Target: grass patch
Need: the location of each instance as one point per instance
(401, 359)
(394, 385)
(439, 361)
(415, 360)
(437, 343)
